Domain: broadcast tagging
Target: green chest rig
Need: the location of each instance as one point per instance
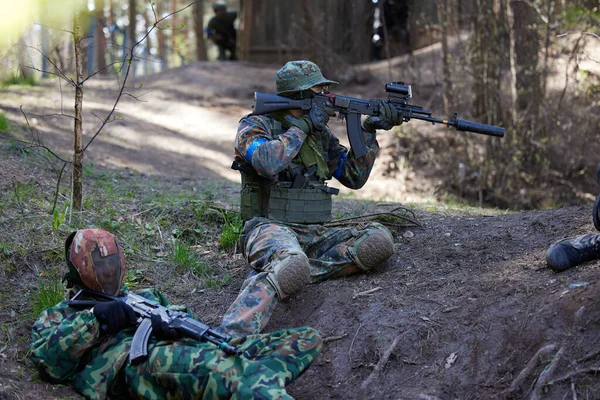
(298, 195)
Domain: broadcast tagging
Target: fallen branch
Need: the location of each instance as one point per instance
(381, 364)
(366, 292)
(589, 355)
(590, 370)
(546, 375)
(352, 343)
(332, 338)
(531, 364)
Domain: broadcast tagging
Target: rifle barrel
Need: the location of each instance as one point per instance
(465, 126)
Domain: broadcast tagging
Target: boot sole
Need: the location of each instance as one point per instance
(374, 250)
(293, 276)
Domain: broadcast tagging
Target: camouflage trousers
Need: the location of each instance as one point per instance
(187, 369)
(265, 243)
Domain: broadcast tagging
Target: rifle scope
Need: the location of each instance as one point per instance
(399, 88)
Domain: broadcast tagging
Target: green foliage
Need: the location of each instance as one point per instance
(5, 251)
(577, 16)
(88, 169)
(19, 79)
(4, 123)
(134, 277)
(59, 218)
(50, 292)
(231, 229)
(186, 259)
(23, 191)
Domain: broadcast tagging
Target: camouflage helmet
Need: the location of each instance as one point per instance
(95, 260)
(296, 76)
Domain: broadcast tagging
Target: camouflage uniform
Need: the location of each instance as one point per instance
(267, 243)
(67, 344)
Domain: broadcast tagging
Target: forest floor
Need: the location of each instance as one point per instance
(459, 312)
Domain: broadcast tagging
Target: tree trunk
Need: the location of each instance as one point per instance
(24, 59)
(147, 59)
(309, 48)
(185, 35)
(174, 32)
(160, 36)
(199, 31)
(77, 179)
(99, 37)
(526, 51)
(443, 12)
(487, 58)
(513, 64)
(131, 30)
(113, 53)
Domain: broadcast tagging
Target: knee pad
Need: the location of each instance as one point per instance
(373, 247)
(290, 275)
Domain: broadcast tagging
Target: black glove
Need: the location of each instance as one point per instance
(314, 120)
(114, 316)
(161, 328)
(387, 118)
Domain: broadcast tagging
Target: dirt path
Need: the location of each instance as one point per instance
(167, 133)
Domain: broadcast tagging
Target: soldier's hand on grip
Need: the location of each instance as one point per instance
(114, 316)
(161, 328)
(315, 120)
(387, 118)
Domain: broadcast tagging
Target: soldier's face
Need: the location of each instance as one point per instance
(320, 88)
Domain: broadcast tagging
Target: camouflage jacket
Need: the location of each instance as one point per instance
(68, 345)
(269, 154)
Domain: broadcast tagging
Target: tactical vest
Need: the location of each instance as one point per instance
(296, 196)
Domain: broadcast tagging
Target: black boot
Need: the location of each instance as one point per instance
(568, 253)
(596, 213)
(596, 210)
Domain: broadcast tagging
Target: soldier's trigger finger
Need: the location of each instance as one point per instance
(384, 110)
(393, 114)
(161, 328)
(330, 112)
(130, 314)
(318, 118)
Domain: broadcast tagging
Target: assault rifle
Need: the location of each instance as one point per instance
(351, 109)
(144, 309)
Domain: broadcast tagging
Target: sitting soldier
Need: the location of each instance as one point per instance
(285, 159)
(91, 346)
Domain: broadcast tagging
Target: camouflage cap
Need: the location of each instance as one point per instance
(296, 76)
(95, 260)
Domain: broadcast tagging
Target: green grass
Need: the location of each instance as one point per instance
(50, 291)
(186, 259)
(4, 123)
(19, 79)
(231, 229)
(134, 277)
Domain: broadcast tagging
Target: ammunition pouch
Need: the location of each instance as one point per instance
(306, 203)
